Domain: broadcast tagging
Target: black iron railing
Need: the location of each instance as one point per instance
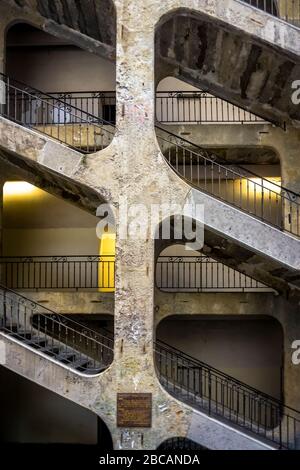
(53, 334)
(221, 395)
(173, 274)
(172, 107)
(199, 107)
(287, 10)
(58, 272)
(238, 186)
(200, 274)
(58, 119)
(95, 103)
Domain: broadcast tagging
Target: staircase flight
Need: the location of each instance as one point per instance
(54, 335)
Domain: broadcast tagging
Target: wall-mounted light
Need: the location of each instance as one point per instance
(106, 270)
(18, 189)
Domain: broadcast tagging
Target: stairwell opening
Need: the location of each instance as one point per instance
(60, 88)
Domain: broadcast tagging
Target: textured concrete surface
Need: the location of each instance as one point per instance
(215, 435)
(133, 167)
(215, 56)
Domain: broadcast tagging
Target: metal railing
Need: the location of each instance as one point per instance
(172, 107)
(221, 395)
(58, 119)
(57, 272)
(52, 333)
(287, 10)
(199, 107)
(173, 274)
(200, 274)
(233, 184)
(101, 104)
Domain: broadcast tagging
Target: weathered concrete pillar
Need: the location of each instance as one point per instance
(139, 187)
(2, 47)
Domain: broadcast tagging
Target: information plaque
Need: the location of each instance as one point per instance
(134, 410)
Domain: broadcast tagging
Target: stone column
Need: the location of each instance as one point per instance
(288, 145)
(140, 163)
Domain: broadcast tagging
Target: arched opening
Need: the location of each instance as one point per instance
(59, 89)
(225, 366)
(248, 348)
(34, 415)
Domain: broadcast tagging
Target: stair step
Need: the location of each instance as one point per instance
(21, 334)
(66, 356)
(80, 364)
(50, 350)
(37, 340)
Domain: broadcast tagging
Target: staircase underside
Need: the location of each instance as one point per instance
(230, 64)
(51, 167)
(90, 24)
(219, 47)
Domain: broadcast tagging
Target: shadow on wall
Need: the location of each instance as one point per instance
(35, 415)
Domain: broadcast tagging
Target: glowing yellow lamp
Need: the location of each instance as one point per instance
(106, 270)
(19, 189)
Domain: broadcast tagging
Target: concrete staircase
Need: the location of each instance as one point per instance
(227, 399)
(53, 335)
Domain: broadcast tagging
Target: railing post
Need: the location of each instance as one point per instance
(209, 392)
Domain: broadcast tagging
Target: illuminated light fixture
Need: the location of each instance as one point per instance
(20, 189)
(272, 184)
(106, 270)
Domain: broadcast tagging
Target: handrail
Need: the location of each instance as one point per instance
(219, 394)
(51, 113)
(238, 186)
(38, 93)
(201, 107)
(94, 272)
(189, 107)
(204, 365)
(19, 298)
(213, 158)
(63, 333)
(183, 273)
